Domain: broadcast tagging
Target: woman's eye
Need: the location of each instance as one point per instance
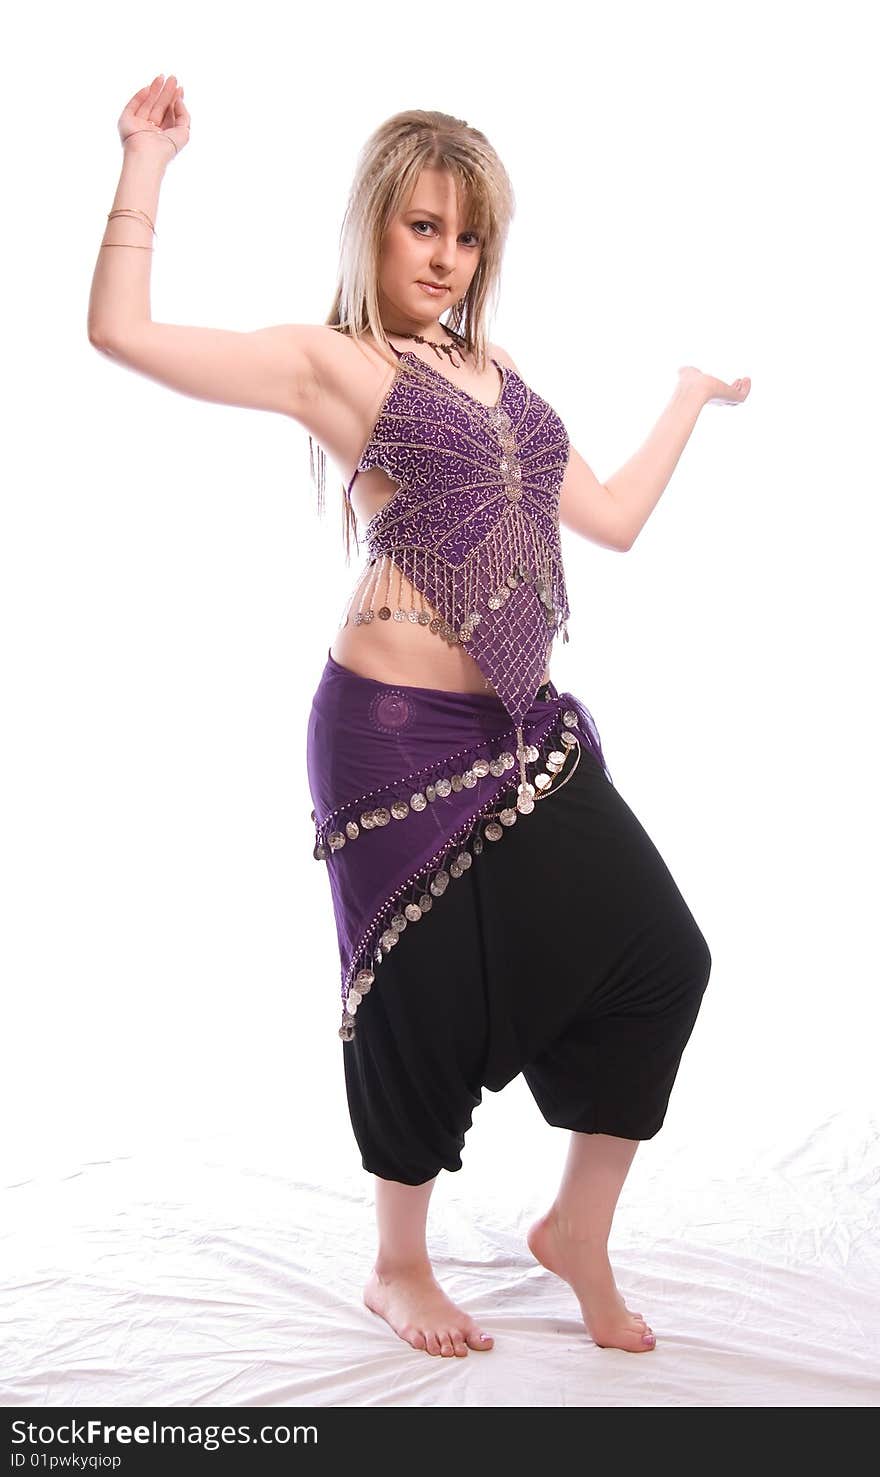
(473, 235)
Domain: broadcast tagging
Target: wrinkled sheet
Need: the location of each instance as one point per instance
(228, 1271)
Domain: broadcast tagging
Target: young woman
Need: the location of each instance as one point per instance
(499, 907)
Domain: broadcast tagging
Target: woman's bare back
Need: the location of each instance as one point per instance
(388, 651)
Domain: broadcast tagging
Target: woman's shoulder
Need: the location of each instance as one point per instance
(496, 352)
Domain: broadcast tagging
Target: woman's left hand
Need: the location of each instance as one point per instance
(714, 391)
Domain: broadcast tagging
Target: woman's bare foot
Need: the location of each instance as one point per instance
(585, 1267)
(414, 1304)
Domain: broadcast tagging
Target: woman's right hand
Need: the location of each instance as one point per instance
(156, 109)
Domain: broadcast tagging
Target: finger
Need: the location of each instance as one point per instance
(138, 97)
(158, 99)
(174, 108)
(163, 101)
(148, 96)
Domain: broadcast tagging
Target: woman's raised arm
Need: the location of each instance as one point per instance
(267, 369)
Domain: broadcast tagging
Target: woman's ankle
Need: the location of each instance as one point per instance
(387, 1266)
(577, 1227)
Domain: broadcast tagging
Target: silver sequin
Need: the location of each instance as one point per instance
(352, 830)
(443, 787)
(569, 718)
(335, 840)
(413, 912)
(399, 809)
(418, 801)
(493, 832)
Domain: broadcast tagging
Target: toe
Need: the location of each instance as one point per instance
(415, 1337)
(636, 1342)
(446, 1348)
(458, 1343)
(432, 1343)
(478, 1340)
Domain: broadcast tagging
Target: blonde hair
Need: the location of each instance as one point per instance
(388, 168)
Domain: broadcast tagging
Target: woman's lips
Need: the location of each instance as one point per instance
(433, 288)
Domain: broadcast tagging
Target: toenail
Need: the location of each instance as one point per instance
(485, 1335)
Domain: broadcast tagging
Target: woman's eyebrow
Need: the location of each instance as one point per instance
(414, 210)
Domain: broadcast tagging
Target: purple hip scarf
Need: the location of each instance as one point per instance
(408, 785)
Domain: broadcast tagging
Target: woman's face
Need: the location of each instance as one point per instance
(426, 241)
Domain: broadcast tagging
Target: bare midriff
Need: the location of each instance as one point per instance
(407, 653)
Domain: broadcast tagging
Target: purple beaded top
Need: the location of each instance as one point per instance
(474, 524)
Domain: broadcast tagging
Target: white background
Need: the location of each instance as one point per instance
(694, 185)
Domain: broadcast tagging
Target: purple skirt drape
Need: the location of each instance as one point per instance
(408, 785)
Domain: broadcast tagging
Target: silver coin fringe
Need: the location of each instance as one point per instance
(455, 856)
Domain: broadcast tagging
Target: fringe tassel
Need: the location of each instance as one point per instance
(521, 755)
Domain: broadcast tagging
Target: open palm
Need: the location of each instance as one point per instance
(158, 108)
(716, 391)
